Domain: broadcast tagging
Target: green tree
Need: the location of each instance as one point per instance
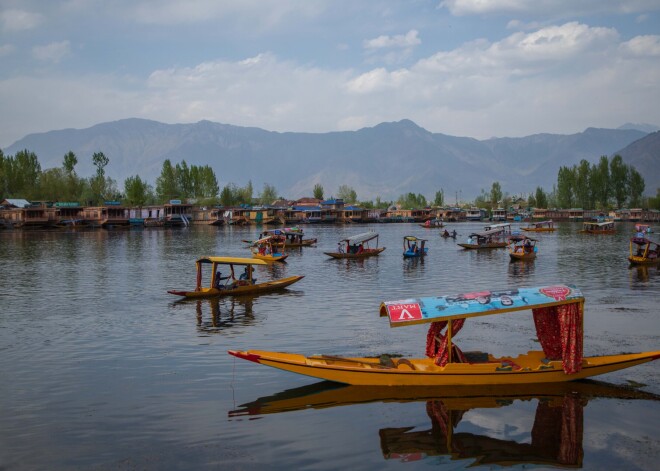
(228, 195)
(137, 191)
(166, 183)
(4, 165)
(245, 194)
(52, 184)
(582, 174)
(637, 186)
(184, 181)
(347, 194)
(495, 194)
(23, 173)
(439, 198)
(69, 163)
(210, 187)
(531, 201)
(600, 183)
(98, 182)
(565, 187)
(268, 194)
(541, 198)
(318, 191)
(619, 175)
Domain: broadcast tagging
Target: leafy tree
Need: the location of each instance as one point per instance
(210, 188)
(184, 181)
(565, 187)
(69, 163)
(22, 174)
(4, 183)
(531, 201)
(52, 184)
(439, 198)
(166, 183)
(137, 191)
(318, 191)
(600, 183)
(347, 194)
(411, 201)
(98, 182)
(495, 194)
(637, 185)
(619, 175)
(245, 194)
(582, 174)
(654, 201)
(541, 198)
(228, 195)
(483, 200)
(268, 194)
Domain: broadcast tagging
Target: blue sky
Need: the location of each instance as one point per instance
(477, 68)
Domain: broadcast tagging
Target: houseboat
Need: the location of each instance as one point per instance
(108, 216)
(498, 214)
(474, 214)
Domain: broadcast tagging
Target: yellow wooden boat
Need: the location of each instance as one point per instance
(230, 285)
(606, 227)
(357, 246)
(522, 247)
(268, 250)
(643, 251)
(557, 310)
(541, 226)
(490, 239)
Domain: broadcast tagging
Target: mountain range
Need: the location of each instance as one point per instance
(386, 160)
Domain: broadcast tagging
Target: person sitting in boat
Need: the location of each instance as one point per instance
(446, 233)
(360, 248)
(245, 276)
(219, 278)
(527, 245)
(413, 247)
(340, 248)
(453, 233)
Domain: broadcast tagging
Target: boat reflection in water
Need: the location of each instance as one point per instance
(233, 311)
(556, 434)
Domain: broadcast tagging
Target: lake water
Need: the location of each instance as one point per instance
(101, 369)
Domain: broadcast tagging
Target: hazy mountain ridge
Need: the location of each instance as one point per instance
(385, 160)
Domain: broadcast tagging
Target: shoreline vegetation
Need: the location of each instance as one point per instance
(189, 194)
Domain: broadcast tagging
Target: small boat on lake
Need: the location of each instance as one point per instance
(605, 227)
(433, 224)
(557, 310)
(522, 247)
(293, 237)
(504, 227)
(493, 239)
(643, 251)
(542, 226)
(268, 250)
(643, 228)
(357, 246)
(231, 285)
(414, 247)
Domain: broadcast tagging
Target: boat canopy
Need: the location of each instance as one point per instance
(231, 261)
(285, 230)
(414, 239)
(542, 223)
(499, 227)
(517, 237)
(480, 303)
(599, 224)
(263, 240)
(360, 238)
(487, 233)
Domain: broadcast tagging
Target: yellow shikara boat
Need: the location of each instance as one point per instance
(357, 246)
(542, 226)
(245, 284)
(557, 310)
(646, 252)
(522, 247)
(490, 239)
(268, 250)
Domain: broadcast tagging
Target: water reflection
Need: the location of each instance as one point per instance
(521, 269)
(641, 273)
(455, 429)
(213, 315)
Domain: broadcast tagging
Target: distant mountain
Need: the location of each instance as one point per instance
(644, 155)
(648, 128)
(386, 160)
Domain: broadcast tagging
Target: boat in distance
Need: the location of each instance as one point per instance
(357, 246)
(492, 239)
(522, 247)
(268, 250)
(232, 286)
(606, 227)
(541, 226)
(558, 317)
(643, 251)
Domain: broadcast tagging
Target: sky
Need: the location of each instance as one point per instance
(475, 68)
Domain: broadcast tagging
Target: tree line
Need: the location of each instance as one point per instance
(585, 185)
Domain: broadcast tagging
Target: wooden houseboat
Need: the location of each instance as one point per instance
(498, 214)
(475, 214)
(110, 215)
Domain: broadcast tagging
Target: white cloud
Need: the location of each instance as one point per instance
(6, 49)
(407, 40)
(53, 52)
(557, 8)
(19, 20)
(643, 46)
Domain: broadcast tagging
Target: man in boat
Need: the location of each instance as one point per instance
(446, 233)
(527, 246)
(340, 248)
(245, 276)
(219, 278)
(453, 233)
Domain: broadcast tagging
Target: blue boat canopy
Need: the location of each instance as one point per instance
(479, 303)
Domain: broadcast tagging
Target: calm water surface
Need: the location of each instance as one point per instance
(101, 369)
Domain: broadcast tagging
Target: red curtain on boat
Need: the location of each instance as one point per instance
(559, 329)
(437, 343)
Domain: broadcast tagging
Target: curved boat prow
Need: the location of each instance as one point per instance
(245, 355)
